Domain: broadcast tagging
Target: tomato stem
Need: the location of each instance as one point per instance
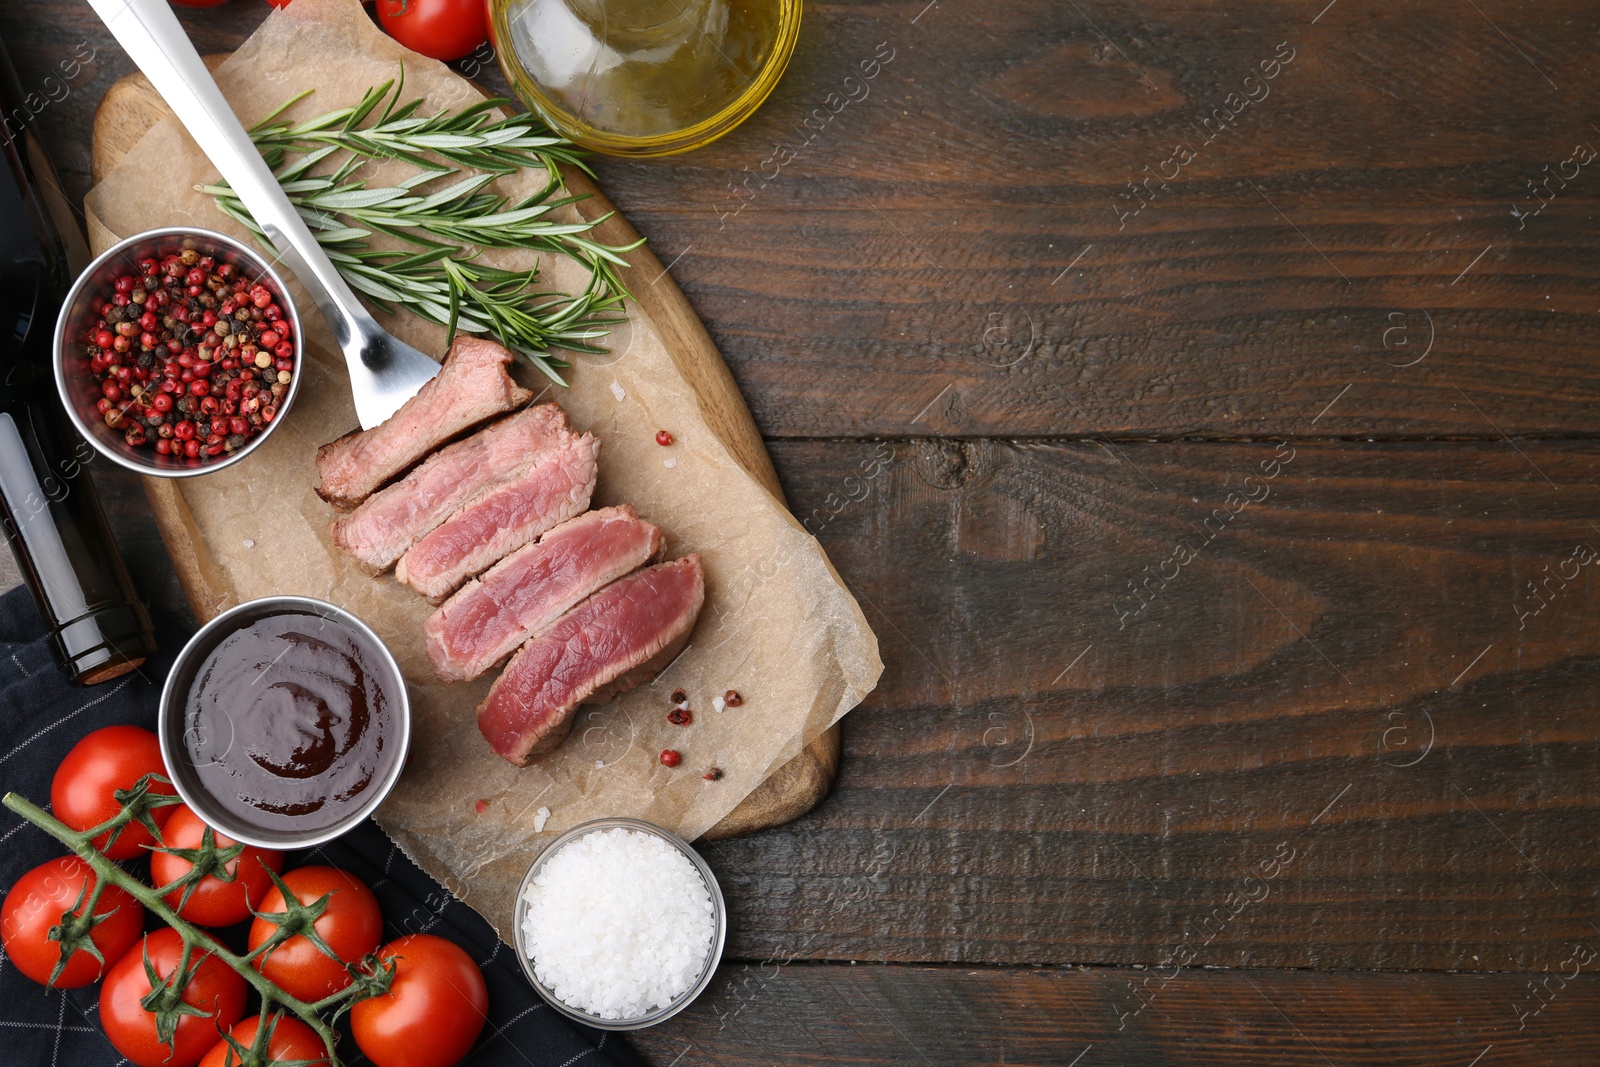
(94, 898)
(331, 999)
(122, 818)
(137, 803)
(82, 844)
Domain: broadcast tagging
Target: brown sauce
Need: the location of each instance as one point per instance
(287, 721)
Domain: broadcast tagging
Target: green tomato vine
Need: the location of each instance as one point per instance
(370, 977)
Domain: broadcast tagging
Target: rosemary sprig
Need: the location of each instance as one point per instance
(470, 138)
(447, 213)
(477, 298)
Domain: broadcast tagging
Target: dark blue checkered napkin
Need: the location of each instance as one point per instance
(42, 715)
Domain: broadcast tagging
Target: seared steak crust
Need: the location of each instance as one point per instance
(503, 518)
(619, 637)
(471, 387)
(491, 615)
(396, 517)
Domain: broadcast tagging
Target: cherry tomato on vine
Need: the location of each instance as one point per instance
(352, 926)
(440, 29)
(432, 1013)
(214, 988)
(111, 758)
(39, 900)
(292, 1042)
(213, 902)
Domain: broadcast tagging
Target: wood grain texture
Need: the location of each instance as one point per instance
(916, 267)
(960, 230)
(915, 274)
(131, 106)
(773, 1014)
(1338, 689)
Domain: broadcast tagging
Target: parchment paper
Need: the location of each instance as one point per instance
(778, 625)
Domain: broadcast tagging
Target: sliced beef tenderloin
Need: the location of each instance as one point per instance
(503, 518)
(491, 615)
(620, 637)
(470, 388)
(393, 519)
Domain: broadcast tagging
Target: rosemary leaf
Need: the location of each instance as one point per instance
(446, 213)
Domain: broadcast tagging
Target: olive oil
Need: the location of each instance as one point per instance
(644, 77)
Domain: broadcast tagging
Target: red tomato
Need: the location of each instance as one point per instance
(432, 1013)
(440, 29)
(292, 1041)
(352, 926)
(37, 902)
(213, 902)
(107, 760)
(215, 989)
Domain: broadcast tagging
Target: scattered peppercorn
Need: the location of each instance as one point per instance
(481, 806)
(714, 774)
(679, 696)
(184, 337)
(663, 438)
(732, 698)
(670, 757)
(680, 716)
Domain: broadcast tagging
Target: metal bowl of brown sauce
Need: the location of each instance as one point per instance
(284, 722)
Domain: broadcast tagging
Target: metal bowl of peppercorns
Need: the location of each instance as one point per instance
(178, 351)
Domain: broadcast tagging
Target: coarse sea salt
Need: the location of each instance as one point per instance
(618, 922)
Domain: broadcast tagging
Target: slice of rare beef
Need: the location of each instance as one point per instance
(620, 637)
(491, 615)
(503, 518)
(398, 516)
(471, 387)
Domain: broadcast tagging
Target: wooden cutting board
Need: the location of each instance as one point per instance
(131, 107)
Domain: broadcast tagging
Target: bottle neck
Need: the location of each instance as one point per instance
(50, 512)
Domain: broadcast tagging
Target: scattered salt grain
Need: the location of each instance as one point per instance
(249, 543)
(599, 764)
(618, 923)
(669, 463)
(540, 817)
(718, 703)
(617, 391)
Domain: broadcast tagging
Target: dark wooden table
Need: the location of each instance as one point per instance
(1201, 401)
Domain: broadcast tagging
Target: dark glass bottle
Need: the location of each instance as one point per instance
(52, 515)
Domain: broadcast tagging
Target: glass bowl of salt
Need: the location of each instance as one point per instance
(619, 924)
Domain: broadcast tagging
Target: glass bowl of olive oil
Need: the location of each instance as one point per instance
(644, 77)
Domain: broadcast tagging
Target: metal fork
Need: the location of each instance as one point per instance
(384, 371)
